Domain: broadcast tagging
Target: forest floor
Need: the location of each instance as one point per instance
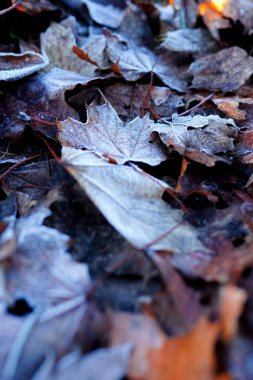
(126, 202)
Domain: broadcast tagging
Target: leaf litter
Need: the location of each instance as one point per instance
(126, 190)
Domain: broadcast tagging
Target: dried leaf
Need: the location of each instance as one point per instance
(200, 138)
(105, 133)
(190, 41)
(35, 7)
(154, 354)
(135, 208)
(57, 44)
(224, 71)
(41, 269)
(43, 96)
(16, 66)
(134, 62)
(105, 14)
(102, 364)
(230, 106)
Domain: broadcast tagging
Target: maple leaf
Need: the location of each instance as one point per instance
(16, 66)
(189, 41)
(57, 44)
(131, 202)
(134, 62)
(224, 71)
(105, 133)
(199, 138)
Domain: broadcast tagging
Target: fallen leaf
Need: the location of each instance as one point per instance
(16, 66)
(105, 14)
(155, 354)
(224, 71)
(101, 364)
(35, 7)
(40, 261)
(230, 106)
(200, 138)
(189, 41)
(105, 133)
(134, 62)
(57, 44)
(232, 303)
(135, 208)
(43, 96)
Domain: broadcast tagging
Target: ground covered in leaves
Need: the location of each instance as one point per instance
(126, 202)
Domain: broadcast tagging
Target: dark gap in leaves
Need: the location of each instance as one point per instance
(20, 307)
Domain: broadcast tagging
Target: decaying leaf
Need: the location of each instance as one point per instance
(105, 14)
(43, 95)
(224, 71)
(102, 364)
(190, 41)
(134, 62)
(35, 7)
(155, 355)
(16, 66)
(135, 208)
(106, 134)
(57, 44)
(40, 261)
(230, 106)
(200, 138)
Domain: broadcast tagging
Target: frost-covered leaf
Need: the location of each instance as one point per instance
(101, 364)
(190, 41)
(224, 71)
(134, 62)
(105, 133)
(57, 44)
(200, 138)
(42, 271)
(44, 96)
(105, 14)
(16, 66)
(131, 202)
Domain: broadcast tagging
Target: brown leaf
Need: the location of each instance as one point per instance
(232, 303)
(35, 7)
(200, 138)
(105, 133)
(16, 66)
(155, 355)
(230, 106)
(224, 71)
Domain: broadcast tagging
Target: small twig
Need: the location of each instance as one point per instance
(23, 116)
(162, 236)
(166, 189)
(17, 165)
(13, 6)
(197, 105)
